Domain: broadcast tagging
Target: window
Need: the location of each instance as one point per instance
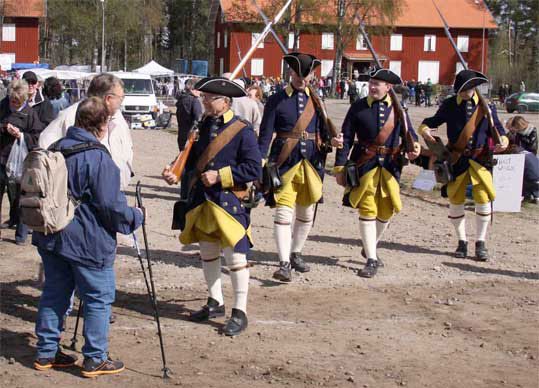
(360, 43)
(430, 43)
(459, 67)
(218, 39)
(257, 66)
(327, 68)
(225, 43)
(395, 66)
(327, 41)
(291, 41)
(462, 43)
(254, 37)
(8, 32)
(221, 65)
(396, 42)
(6, 59)
(429, 69)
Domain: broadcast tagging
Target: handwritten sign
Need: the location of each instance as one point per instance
(508, 175)
(425, 180)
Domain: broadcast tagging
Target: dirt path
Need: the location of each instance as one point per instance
(427, 319)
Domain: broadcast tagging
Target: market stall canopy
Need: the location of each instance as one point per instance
(60, 74)
(154, 69)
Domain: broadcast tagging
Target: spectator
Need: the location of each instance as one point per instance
(522, 87)
(246, 108)
(352, 91)
(188, 110)
(54, 92)
(17, 120)
(364, 89)
(411, 87)
(428, 92)
(418, 91)
(342, 86)
(36, 100)
(255, 93)
(502, 93)
(82, 255)
(405, 93)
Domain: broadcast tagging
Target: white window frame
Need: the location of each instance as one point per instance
(291, 40)
(396, 42)
(463, 42)
(327, 41)
(459, 67)
(254, 37)
(9, 32)
(360, 43)
(435, 78)
(326, 67)
(221, 66)
(218, 39)
(257, 67)
(6, 60)
(396, 67)
(429, 43)
(225, 36)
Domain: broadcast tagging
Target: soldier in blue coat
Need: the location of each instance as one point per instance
(373, 132)
(473, 164)
(216, 218)
(297, 155)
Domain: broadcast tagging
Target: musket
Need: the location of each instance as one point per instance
(260, 38)
(482, 101)
(409, 141)
(178, 166)
(239, 55)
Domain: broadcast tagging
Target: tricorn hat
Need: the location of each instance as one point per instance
(220, 86)
(363, 77)
(301, 63)
(386, 75)
(468, 79)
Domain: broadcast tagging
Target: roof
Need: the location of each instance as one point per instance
(130, 75)
(415, 13)
(154, 68)
(25, 8)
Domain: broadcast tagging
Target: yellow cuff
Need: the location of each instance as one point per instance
(422, 129)
(227, 181)
(505, 141)
(338, 169)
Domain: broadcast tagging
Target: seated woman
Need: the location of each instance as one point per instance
(523, 139)
(82, 254)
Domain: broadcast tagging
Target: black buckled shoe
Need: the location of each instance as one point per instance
(380, 262)
(297, 262)
(284, 273)
(209, 310)
(236, 324)
(91, 368)
(369, 270)
(481, 252)
(61, 360)
(462, 250)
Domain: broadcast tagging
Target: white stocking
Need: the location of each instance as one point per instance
(239, 275)
(211, 265)
(302, 226)
(367, 229)
(482, 218)
(282, 229)
(458, 219)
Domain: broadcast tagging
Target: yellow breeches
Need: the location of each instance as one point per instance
(301, 184)
(210, 222)
(377, 196)
(482, 185)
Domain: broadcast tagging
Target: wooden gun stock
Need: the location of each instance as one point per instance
(495, 134)
(319, 105)
(178, 166)
(408, 139)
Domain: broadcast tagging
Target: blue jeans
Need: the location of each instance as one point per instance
(21, 232)
(96, 288)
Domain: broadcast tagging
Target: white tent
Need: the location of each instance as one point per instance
(154, 69)
(60, 74)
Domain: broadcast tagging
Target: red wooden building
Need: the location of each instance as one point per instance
(19, 41)
(417, 48)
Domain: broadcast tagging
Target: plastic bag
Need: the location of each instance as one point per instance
(15, 160)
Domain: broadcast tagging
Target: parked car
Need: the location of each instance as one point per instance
(522, 102)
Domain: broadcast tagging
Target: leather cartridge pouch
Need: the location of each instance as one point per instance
(443, 172)
(458, 148)
(271, 179)
(216, 145)
(351, 174)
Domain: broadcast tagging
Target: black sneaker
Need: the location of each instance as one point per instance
(210, 310)
(284, 273)
(462, 249)
(61, 360)
(297, 263)
(91, 368)
(481, 252)
(370, 269)
(380, 262)
(236, 324)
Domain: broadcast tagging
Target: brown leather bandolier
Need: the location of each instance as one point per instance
(377, 146)
(297, 133)
(459, 148)
(215, 146)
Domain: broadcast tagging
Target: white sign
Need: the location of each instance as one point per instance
(6, 60)
(508, 175)
(425, 180)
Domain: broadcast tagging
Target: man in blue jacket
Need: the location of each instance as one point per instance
(82, 254)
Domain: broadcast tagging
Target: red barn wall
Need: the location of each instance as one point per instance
(26, 44)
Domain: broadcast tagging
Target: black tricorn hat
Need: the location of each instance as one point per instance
(385, 75)
(468, 79)
(363, 77)
(220, 86)
(301, 63)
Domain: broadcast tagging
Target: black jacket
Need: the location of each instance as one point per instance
(188, 110)
(43, 108)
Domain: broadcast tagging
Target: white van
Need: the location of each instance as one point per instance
(139, 95)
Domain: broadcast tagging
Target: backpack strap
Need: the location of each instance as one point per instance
(78, 148)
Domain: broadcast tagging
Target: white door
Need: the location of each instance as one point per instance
(429, 69)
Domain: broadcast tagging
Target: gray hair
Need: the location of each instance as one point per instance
(103, 84)
(19, 89)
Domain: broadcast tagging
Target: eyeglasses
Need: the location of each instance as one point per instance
(31, 82)
(211, 98)
(121, 98)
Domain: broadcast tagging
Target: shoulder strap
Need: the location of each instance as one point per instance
(78, 148)
(386, 130)
(218, 144)
(469, 129)
(302, 123)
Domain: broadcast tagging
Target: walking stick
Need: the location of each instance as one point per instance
(153, 298)
(74, 339)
